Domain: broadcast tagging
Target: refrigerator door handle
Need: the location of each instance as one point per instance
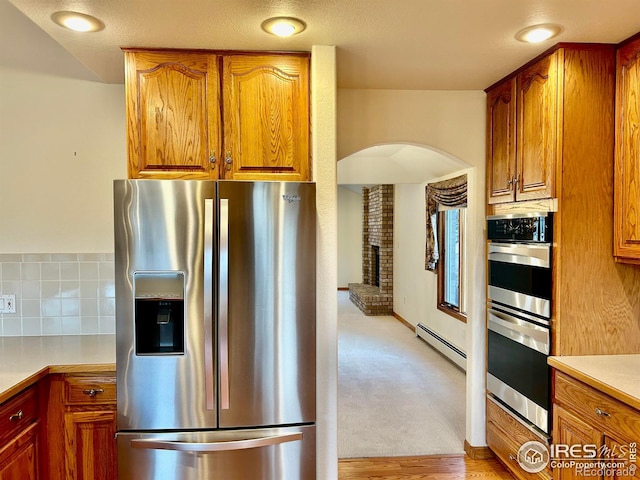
(157, 444)
(223, 312)
(208, 304)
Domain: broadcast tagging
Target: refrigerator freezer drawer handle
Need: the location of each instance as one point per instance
(223, 310)
(208, 304)
(157, 444)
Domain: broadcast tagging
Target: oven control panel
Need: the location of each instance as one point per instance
(534, 227)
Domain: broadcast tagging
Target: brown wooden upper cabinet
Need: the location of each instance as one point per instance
(208, 114)
(627, 156)
(522, 133)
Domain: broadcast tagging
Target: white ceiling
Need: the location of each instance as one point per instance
(386, 44)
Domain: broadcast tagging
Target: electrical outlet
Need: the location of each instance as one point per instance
(7, 304)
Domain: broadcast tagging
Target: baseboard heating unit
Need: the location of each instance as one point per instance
(450, 351)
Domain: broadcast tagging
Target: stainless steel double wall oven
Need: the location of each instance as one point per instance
(519, 314)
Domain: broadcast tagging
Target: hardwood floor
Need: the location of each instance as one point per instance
(437, 467)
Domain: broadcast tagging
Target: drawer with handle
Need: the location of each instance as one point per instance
(17, 413)
(505, 436)
(90, 389)
(597, 408)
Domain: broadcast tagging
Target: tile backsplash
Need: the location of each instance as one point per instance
(58, 294)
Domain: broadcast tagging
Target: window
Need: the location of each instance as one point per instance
(452, 265)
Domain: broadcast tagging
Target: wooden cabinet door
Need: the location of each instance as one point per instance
(537, 128)
(620, 453)
(19, 458)
(501, 142)
(172, 114)
(90, 445)
(266, 117)
(627, 156)
(570, 430)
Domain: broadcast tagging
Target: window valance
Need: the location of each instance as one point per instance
(450, 193)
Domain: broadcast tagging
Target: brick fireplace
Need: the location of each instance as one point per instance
(374, 296)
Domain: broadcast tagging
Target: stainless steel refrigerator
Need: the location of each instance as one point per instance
(215, 329)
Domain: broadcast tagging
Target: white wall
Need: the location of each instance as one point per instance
(62, 141)
(349, 237)
(323, 112)
(452, 122)
(415, 289)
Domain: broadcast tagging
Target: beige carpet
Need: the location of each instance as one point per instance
(396, 395)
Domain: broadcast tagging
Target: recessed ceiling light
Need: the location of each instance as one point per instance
(78, 22)
(538, 33)
(283, 26)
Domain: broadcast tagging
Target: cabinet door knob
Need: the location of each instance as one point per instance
(602, 413)
(93, 391)
(228, 160)
(212, 157)
(16, 416)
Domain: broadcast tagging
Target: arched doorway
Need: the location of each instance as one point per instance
(408, 168)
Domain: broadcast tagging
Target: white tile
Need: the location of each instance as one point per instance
(70, 307)
(107, 324)
(70, 289)
(11, 327)
(10, 271)
(69, 271)
(106, 270)
(13, 286)
(107, 306)
(50, 307)
(30, 271)
(31, 289)
(89, 271)
(107, 289)
(30, 308)
(36, 257)
(31, 326)
(88, 307)
(51, 326)
(49, 289)
(50, 271)
(89, 288)
(71, 326)
(58, 293)
(64, 257)
(90, 325)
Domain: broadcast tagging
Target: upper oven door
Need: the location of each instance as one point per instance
(520, 276)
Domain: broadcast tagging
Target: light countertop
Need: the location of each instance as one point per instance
(25, 360)
(615, 375)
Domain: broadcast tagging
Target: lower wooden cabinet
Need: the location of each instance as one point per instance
(19, 437)
(505, 436)
(570, 430)
(598, 428)
(19, 457)
(89, 445)
(81, 410)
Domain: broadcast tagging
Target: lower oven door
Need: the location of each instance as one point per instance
(518, 374)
